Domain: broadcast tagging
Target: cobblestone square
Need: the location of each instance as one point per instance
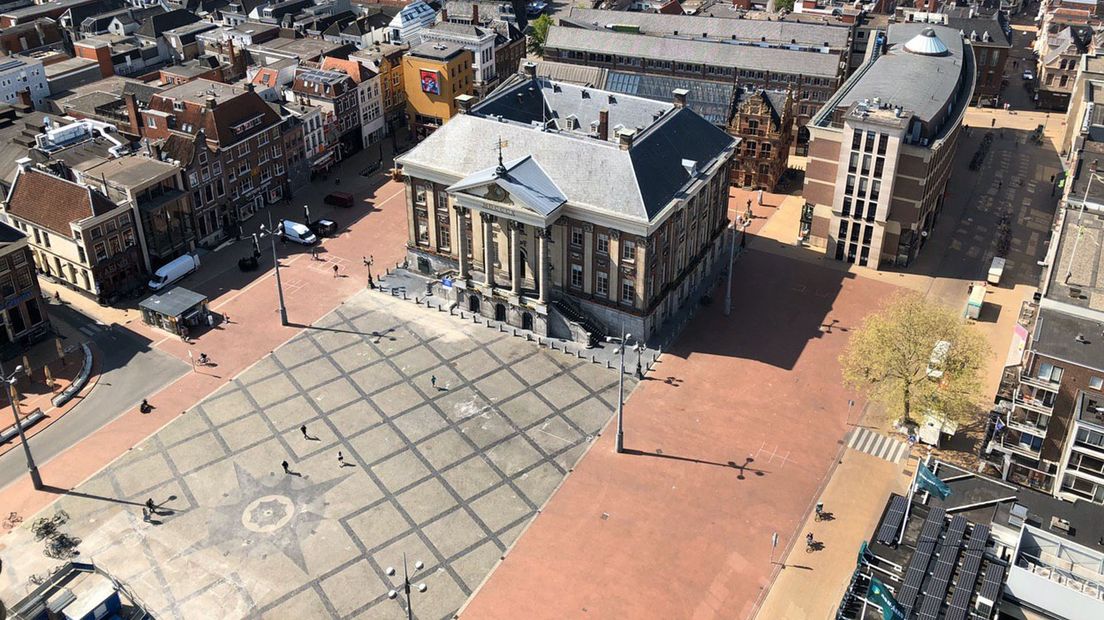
(448, 472)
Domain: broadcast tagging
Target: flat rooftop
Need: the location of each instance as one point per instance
(920, 83)
(197, 91)
(711, 53)
(437, 50)
(1077, 277)
(131, 171)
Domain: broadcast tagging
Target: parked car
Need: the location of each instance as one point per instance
(1029, 75)
(323, 228)
(535, 8)
(340, 199)
(174, 270)
(298, 233)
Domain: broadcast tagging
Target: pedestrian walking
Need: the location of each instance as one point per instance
(225, 317)
(433, 381)
(314, 253)
(335, 270)
(149, 505)
(303, 429)
(285, 466)
(145, 515)
(340, 459)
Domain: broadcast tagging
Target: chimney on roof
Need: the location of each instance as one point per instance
(444, 14)
(475, 13)
(24, 163)
(464, 103)
(625, 138)
(530, 69)
(680, 97)
(25, 97)
(135, 119)
(212, 101)
(155, 149)
(603, 124)
(250, 87)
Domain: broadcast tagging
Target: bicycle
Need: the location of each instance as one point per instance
(810, 543)
(12, 521)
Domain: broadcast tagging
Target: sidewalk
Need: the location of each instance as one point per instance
(35, 394)
(809, 585)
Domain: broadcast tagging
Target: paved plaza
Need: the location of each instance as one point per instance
(449, 475)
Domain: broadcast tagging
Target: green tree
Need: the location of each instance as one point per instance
(784, 5)
(539, 34)
(888, 358)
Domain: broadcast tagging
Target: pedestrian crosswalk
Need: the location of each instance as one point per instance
(877, 444)
(91, 329)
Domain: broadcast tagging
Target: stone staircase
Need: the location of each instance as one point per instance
(573, 313)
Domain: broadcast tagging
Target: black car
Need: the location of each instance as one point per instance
(323, 228)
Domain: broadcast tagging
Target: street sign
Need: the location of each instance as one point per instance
(446, 282)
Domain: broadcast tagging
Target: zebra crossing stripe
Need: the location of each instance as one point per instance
(877, 445)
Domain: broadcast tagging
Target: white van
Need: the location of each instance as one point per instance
(935, 363)
(298, 233)
(174, 270)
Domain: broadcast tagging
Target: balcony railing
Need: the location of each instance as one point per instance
(1030, 402)
(1039, 383)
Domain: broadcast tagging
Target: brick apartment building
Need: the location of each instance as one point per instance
(230, 143)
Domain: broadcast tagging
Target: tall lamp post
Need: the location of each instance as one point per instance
(421, 587)
(622, 342)
(279, 285)
(32, 469)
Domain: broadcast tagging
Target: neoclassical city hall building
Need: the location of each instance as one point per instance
(570, 211)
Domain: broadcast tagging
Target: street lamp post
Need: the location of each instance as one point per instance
(368, 260)
(731, 259)
(621, 344)
(32, 469)
(279, 285)
(421, 587)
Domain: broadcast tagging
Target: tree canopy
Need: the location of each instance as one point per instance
(890, 359)
(538, 33)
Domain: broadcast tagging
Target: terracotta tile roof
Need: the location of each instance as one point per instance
(352, 68)
(53, 202)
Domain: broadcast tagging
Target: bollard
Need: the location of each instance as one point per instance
(608, 364)
(579, 354)
(528, 338)
(552, 344)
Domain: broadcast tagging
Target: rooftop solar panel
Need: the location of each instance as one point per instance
(967, 577)
(944, 569)
(918, 565)
(991, 586)
(891, 524)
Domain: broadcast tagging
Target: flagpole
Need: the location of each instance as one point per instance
(908, 504)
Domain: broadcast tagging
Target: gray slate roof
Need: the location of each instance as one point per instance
(923, 84)
(635, 184)
(715, 53)
(593, 77)
(526, 101)
(523, 179)
(777, 32)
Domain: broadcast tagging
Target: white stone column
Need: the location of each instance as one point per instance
(543, 263)
(515, 258)
(488, 248)
(462, 238)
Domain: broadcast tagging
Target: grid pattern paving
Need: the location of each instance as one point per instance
(449, 474)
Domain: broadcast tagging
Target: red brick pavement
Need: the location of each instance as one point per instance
(678, 530)
(311, 291)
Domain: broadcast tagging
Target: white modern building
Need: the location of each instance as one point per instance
(22, 75)
(406, 27)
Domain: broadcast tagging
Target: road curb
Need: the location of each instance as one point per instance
(78, 382)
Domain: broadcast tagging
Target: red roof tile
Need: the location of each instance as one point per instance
(53, 202)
